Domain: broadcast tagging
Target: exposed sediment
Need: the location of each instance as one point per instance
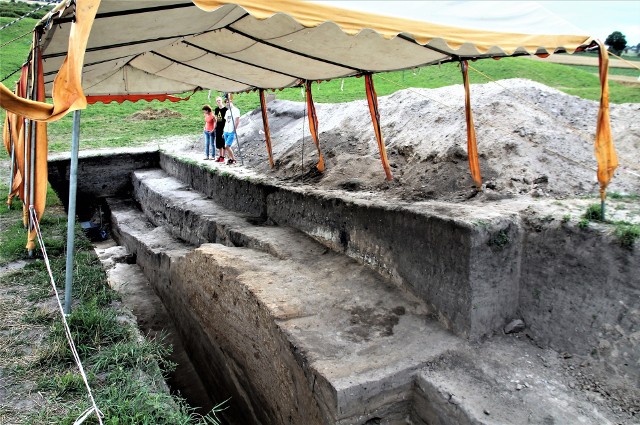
(310, 308)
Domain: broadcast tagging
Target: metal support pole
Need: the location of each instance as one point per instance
(233, 121)
(32, 173)
(71, 213)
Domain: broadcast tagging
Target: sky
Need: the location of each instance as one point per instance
(601, 18)
(595, 18)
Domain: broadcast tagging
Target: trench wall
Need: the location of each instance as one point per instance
(99, 176)
(447, 261)
(577, 290)
(580, 292)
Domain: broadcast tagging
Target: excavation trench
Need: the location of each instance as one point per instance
(309, 307)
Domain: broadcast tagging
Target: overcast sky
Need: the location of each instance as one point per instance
(601, 18)
(595, 18)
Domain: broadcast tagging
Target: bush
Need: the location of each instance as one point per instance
(627, 234)
(594, 213)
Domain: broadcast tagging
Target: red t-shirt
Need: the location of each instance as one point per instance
(209, 121)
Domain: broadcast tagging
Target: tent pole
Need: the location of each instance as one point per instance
(13, 162)
(32, 159)
(233, 121)
(25, 175)
(32, 168)
(25, 145)
(71, 213)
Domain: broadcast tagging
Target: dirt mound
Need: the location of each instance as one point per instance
(153, 114)
(532, 140)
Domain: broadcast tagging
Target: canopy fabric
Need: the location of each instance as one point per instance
(146, 49)
(168, 46)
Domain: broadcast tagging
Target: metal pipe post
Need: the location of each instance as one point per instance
(71, 213)
(233, 121)
(32, 173)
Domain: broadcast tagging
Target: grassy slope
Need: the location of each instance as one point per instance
(107, 125)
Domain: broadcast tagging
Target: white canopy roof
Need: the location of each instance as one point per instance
(172, 46)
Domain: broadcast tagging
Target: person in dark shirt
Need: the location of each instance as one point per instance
(219, 113)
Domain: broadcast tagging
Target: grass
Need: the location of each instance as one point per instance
(126, 372)
(628, 72)
(626, 233)
(499, 240)
(18, 9)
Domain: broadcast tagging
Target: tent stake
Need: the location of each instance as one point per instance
(71, 213)
(602, 210)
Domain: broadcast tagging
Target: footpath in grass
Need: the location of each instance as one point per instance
(40, 383)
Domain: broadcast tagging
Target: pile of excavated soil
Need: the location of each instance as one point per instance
(533, 140)
(153, 114)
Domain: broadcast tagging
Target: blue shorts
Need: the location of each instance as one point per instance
(228, 138)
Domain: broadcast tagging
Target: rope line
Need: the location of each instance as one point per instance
(26, 15)
(624, 60)
(94, 408)
(483, 121)
(578, 132)
(8, 76)
(16, 39)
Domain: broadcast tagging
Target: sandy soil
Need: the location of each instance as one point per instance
(536, 145)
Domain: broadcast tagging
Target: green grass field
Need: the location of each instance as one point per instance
(109, 126)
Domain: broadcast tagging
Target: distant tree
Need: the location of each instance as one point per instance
(616, 42)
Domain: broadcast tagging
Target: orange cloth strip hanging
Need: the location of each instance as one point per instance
(372, 98)
(8, 143)
(313, 125)
(604, 148)
(16, 136)
(11, 137)
(472, 147)
(265, 123)
(67, 87)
